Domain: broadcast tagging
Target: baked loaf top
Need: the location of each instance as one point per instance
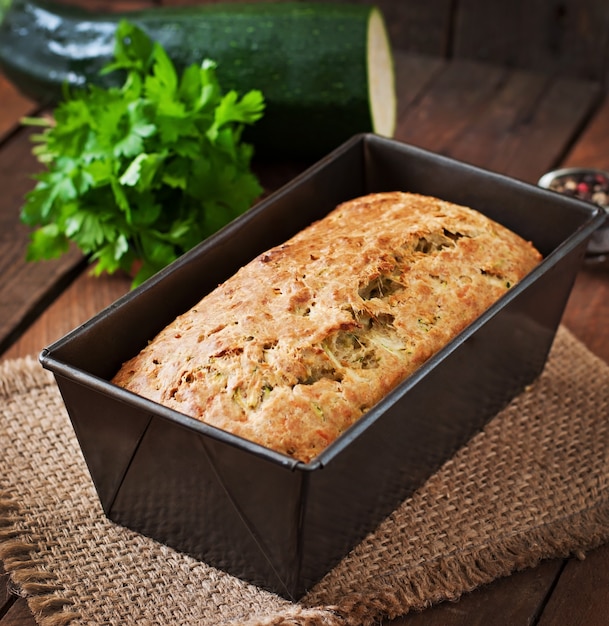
(300, 342)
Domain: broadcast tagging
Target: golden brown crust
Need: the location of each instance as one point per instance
(299, 343)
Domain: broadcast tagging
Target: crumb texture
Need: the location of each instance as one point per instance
(299, 343)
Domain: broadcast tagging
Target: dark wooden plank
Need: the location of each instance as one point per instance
(18, 615)
(582, 593)
(567, 38)
(508, 601)
(454, 98)
(25, 286)
(14, 107)
(6, 600)
(84, 298)
(413, 75)
(583, 314)
(510, 121)
(13, 611)
(529, 125)
(591, 148)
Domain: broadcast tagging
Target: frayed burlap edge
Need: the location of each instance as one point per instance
(28, 577)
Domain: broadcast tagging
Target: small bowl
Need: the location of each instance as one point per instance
(590, 185)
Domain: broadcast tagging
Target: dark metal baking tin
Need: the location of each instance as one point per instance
(257, 514)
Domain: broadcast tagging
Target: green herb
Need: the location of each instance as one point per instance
(142, 172)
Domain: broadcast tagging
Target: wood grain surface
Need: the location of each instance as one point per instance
(515, 121)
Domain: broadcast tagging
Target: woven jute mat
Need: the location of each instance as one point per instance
(532, 485)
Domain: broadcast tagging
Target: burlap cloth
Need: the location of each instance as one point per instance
(532, 485)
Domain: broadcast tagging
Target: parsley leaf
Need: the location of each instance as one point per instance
(142, 172)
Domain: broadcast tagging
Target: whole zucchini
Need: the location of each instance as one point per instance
(326, 70)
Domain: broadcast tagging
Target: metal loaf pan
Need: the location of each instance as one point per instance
(254, 513)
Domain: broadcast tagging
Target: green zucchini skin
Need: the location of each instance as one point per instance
(308, 59)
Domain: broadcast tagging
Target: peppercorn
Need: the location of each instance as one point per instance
(588, 186)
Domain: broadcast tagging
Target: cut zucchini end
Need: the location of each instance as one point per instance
(381, 77)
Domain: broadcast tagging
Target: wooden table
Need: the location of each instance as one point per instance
(511, 121)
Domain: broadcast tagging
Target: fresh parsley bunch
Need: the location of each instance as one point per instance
(139, 174)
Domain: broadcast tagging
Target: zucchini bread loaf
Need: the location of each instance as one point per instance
(300, 342)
